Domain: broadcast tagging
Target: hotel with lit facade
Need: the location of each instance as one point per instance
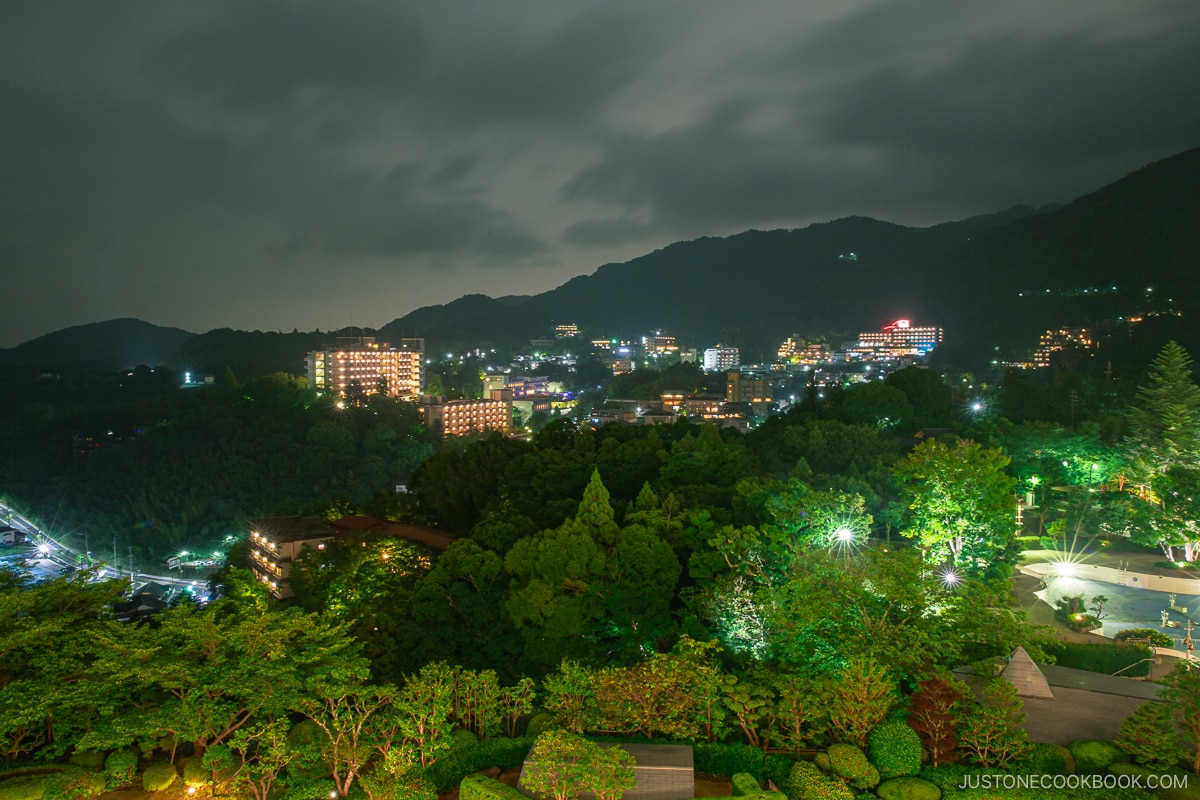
(462, 417)
(721, 358)
(1060, 339)
(900, 338)
(374, 367)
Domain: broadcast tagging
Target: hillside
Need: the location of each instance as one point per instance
(755, 287)
(112, 345)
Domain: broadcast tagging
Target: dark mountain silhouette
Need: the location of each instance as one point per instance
(985, 279)
(112, 345)
(993, 281)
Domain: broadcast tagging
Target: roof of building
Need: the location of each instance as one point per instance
(1025, 675)
(293, 528)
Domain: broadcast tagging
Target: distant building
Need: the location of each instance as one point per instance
(756, 392)
(463, 417)
(1061, 339)
(275, 542)
(687, 355)
(900, 338)
(360, 364)
(790, 349)
(566, 331)
(721, 358)
(658, 344)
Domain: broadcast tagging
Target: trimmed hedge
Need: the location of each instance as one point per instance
(73, 784)
(895, 749)
(744, 784)
(120, 768)
(806, 782)
(159, 776)
(908, 788)
(195, 773)
(1157, 638)
(480, 787)
(1093, 755)
(730, 758)
(1105, 658)
(88, 759)
(1048, 759)
(449, 770)
(26, 787)
(850, 763)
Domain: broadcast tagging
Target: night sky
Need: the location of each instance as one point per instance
(270, 166)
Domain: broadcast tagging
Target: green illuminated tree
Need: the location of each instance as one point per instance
(1182, 695)
(1149, 736)
(991, 733)
(961, 507)
(1164, 424)
(564, 765)
(343, 713)
(863, 693)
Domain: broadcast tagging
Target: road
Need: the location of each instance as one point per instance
(47, 557)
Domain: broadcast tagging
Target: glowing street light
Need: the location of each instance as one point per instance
(844, 535)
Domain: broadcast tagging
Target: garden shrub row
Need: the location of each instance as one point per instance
(1103, 658)
(731, 758)
(448, 771)
(479, 787)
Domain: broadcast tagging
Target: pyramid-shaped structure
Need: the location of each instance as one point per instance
(1025, 675)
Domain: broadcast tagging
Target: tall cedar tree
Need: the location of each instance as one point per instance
(1164, 424)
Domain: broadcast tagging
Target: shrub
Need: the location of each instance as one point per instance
(479, 787)
(805, 782)
(1048, 759)
(1106, 658)
(195, 773)
(411, 784)
(88, 759)
(25, 787)
(1156, 638)
(744, 783)
(158, 776)
(906, 788)
(946, 776)
(448, 771)
(539, 723)
(895, 749)
(776, 768)
(849, 763)
(1093, 755)
(73, 784)
(728, 759)
(120, 768)
(462, 739)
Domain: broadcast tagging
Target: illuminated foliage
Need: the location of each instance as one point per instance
(862, 694)
(563, 765)
(1182, 696)
(960, 501)
(1164, 424)
(991, 733)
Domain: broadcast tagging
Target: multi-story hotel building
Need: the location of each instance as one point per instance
(275, 542)
(359, 363)
(462, 417)
(900, 338)
(721, 358)
(1060, 339)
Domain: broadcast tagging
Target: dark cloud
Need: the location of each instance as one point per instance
(213, 164)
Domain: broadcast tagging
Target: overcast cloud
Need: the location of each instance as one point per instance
(279, 165)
